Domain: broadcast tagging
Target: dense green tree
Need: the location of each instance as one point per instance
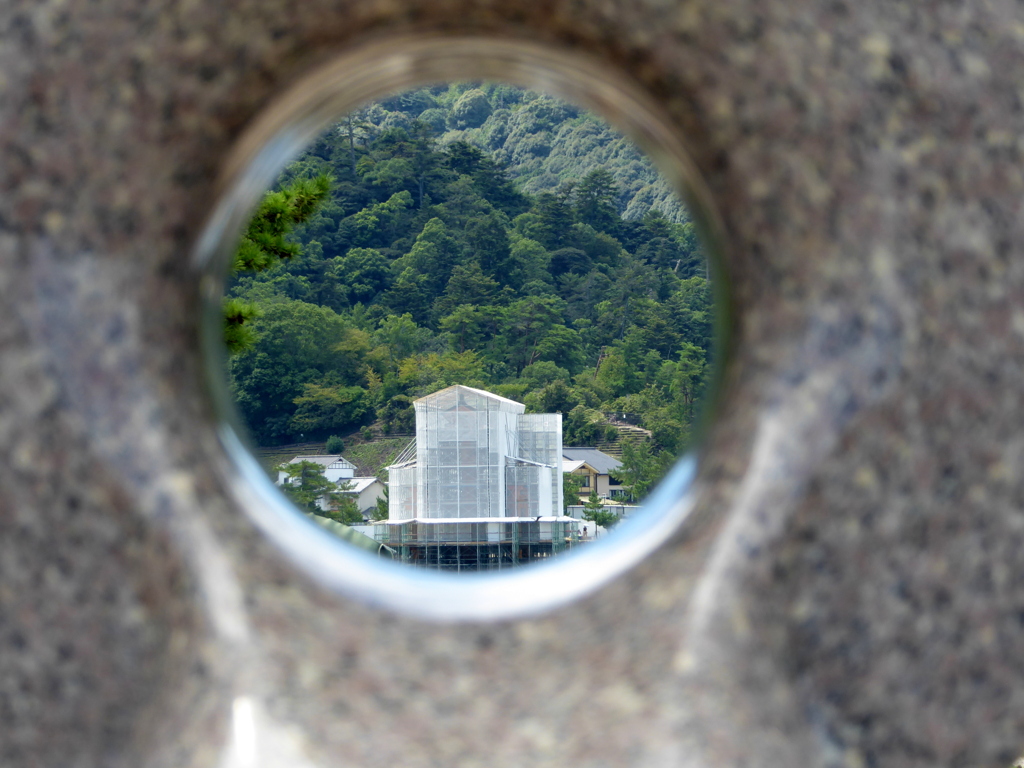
(409, 295)
(603, 250)
(553, 397)
(595, 198)
(377, 225)
(436, 252)
(582, 426)
(413, 103)
(467, 285)
(355, 125)
(526, 323)
(689, 379)
(487, 238)
(471, 110)
(265, 243)
(641, 468)
(594, 512)
(571, 260)
(424, 374)
(528, 261)
(489, 178)
(553, 221)
(297, 344)
(469, 325)
(237, 335)
(560, 345)
(400, 337)
(364, 272)
(571, 486)
(397, 415)
(306, 485)
(323, 407)
(265, 240)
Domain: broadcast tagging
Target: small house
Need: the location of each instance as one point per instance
(596, 469)
(335, 468)
(364, 490)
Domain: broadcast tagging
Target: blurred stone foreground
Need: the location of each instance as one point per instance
(845, 588)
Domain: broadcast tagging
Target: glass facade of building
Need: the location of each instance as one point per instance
(477, 458)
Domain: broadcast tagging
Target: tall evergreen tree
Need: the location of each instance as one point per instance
(554, 220)
(595, 201)
(265, 243)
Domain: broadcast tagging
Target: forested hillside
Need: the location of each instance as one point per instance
(542, 142)
(429, 266)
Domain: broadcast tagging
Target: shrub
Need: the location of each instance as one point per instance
(471, 110)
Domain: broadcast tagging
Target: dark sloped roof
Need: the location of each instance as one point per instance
(600, 461)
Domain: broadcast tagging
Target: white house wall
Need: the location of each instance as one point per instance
(369, 495)
(340, 473)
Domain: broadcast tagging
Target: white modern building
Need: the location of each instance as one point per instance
(480, 487)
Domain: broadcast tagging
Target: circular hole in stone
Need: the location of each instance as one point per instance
(468, 325)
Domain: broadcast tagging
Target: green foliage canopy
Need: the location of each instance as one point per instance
(594, 511)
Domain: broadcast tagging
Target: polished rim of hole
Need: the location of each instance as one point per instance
(285, 129)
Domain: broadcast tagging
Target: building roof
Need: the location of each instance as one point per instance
(571, 466)
(460, 396)
(359, 484)
(602, 462)
(334, 462)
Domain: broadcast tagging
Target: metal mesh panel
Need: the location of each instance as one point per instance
(460, 439)
(527, 490)
(540, 440)
(477, 456)
(402, 493)
(477, 546)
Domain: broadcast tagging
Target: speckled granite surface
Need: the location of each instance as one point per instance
(848, 591)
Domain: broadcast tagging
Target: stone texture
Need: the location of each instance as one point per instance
(847, 591)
